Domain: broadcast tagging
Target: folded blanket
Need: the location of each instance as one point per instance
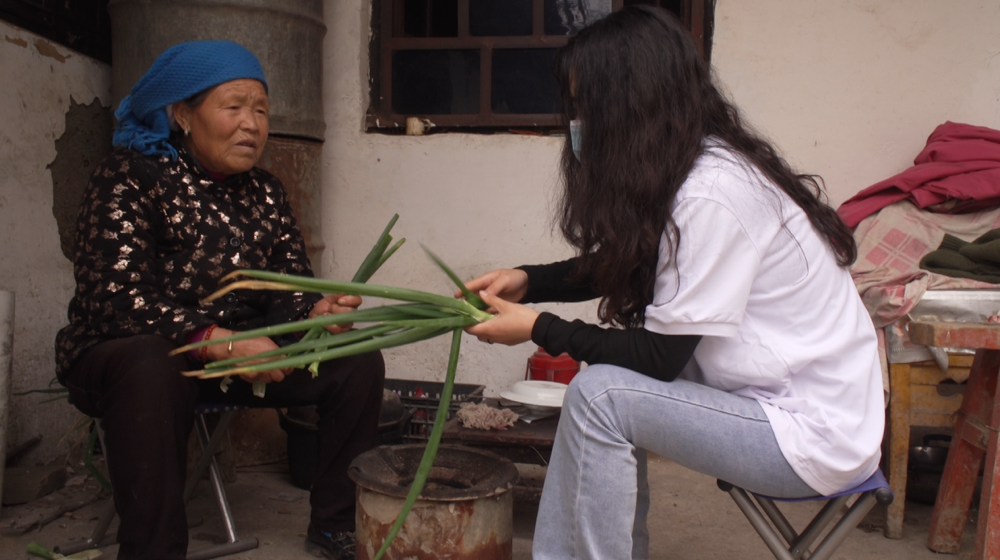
(958, 171)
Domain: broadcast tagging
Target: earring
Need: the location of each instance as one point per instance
(187, 132)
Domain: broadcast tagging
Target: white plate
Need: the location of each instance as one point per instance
(536, 394)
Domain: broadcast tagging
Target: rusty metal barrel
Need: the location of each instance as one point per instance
(465, 511)
(287, 37)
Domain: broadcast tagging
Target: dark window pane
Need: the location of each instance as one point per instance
(439, 82)
(674, 6)
(523, 81)
(82, 26)
(430, 18)
(566, 17)
(490, 18)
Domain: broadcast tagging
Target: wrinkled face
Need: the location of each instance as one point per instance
(227, 131)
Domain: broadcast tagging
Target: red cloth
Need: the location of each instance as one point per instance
(959, 169)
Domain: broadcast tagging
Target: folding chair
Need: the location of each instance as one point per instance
(782, 539)
(210, 442)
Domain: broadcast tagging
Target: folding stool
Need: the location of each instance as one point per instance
(782, 539)
(210, 442)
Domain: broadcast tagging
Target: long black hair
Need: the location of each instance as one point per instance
(647, 100)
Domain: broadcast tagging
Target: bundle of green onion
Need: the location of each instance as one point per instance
(423, 315)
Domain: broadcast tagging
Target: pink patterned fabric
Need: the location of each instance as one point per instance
(887, 273)
(890, 245)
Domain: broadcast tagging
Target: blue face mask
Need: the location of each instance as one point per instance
(576, 137)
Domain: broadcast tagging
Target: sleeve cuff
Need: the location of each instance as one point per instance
(539, 331)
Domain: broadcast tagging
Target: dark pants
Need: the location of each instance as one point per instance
(146, 409)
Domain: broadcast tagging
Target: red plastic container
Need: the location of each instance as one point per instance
(544, 367)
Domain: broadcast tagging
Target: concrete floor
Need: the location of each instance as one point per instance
(689, 518)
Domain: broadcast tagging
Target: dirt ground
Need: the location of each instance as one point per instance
(689, 518)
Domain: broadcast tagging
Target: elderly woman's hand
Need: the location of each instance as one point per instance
(336, 303)
(246, 348)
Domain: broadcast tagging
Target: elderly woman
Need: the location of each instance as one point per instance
(163, 219)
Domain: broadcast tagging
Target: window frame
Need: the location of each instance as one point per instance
(698, 15)
(82, 25)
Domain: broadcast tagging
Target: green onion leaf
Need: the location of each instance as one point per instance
(472, 298)
(375, 258)
(408, 336)
(430, 452)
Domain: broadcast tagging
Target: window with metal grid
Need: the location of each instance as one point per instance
(486, 64)
(82, 25)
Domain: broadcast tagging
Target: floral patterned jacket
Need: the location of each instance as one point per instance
(154, 235)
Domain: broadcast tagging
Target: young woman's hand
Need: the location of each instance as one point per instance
(336, 303)
(508, 284)
(511, 326)
(246, 348)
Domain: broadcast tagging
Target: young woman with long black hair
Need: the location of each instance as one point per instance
(737, 347)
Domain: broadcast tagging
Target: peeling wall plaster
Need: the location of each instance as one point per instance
(84, 143)
(17, 41)
(46, 48)
(49, 95)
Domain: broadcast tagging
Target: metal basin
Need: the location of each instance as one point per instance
(466, 510)
(931, 456)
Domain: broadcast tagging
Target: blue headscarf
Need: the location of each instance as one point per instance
(180, 72)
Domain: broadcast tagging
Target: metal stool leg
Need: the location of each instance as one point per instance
(210, 445)
(778, 519)
(781, 538)
(771, 538)
(819, 522)
(846, 524)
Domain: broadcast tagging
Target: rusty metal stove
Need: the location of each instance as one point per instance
(464, 512)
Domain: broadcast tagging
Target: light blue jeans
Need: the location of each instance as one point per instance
(596, 496)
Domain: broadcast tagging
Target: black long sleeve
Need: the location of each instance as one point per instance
(659, 356)
(550, 282)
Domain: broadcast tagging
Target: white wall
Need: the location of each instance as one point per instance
(39, 80)
(849, 89)
(478, 201)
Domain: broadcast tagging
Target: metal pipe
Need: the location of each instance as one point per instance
(843, 528)
(764, 529)
(820, 522)
(777, 518)
(213, 472)
(209, 448)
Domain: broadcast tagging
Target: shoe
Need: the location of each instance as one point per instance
(336, 546)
